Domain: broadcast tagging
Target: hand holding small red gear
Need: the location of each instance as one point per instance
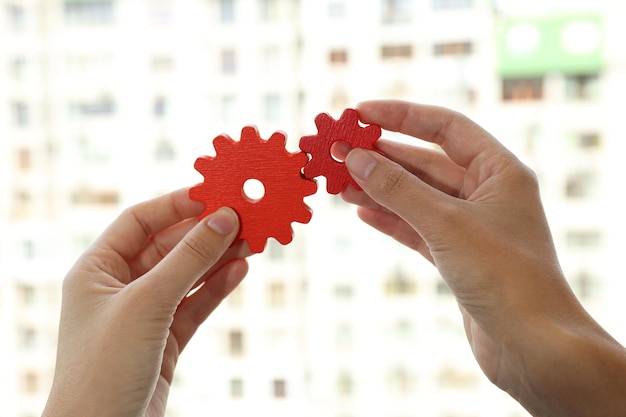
(346, 129)
(271, 164)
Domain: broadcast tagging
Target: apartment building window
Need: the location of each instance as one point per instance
(88, 12)
(100, 106)
(226, 11)
(581, 87)
(228, 59)
(585, 285)
(164, 151)
(581, 184)
(442, 288)
(275, 250)
(452, 48)
(588, 141)
(29, 250)
(26, 294)
(396, 11)
(229, 108)
(343, 292)
(338, 101)
(16, 16)
(272, 107)
(22, 204)
(337, 9)
(270, 59)
(522, 89)
(235, 298)
(400, 381)
(344, 336)
(20, 114)
(162, 64)
(451, 4)
(160, 106)
(279, 388)
(276, 294)
(24, 159)
(345, 384)
(90, 196)
(454, 378)
(30, 382)
(270, 10)
(400, 284)
(236, 388)
(396, 52)
(17, 68)
(235, 343)
(401, 330)
(583, 239)
(27, 337)
(338, 56)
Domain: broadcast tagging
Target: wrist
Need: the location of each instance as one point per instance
(569, 368)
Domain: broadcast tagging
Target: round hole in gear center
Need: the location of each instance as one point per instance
(339, 150)
(253, 189)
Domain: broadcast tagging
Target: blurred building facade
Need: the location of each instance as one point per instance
(105, 103)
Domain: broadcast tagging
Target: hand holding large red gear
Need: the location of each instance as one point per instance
(268, 162)
(346, 129)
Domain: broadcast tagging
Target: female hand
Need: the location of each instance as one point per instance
(474, 210)
(127, 311)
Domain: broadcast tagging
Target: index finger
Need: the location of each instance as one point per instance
(129, 233)
(460, 138)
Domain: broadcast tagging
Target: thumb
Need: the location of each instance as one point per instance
(396, 189)
(196, 253)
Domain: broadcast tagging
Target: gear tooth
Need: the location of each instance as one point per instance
(306, 143)
(250, 135)
(334, 187)
(257, 245)
(285, 236)
(304, 214)
(195, 192)
(278, 139)
(222, 143)
(349, 116)
(373, 132)
(324, 122)
(202, 163)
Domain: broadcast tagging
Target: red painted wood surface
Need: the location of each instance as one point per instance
(331, 131)
(270, 163)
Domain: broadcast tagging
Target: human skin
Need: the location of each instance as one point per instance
(474, 210)
(127, 312)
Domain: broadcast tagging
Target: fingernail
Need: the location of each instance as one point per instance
(360, 163)
(222, 221)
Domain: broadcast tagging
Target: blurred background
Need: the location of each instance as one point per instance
(105, 103)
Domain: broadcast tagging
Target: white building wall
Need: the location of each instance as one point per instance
(341, 343)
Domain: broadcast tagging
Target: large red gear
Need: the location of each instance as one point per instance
(346, 129)
(268, 162)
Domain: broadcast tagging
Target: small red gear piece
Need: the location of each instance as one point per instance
(268, 162)
(346, 129)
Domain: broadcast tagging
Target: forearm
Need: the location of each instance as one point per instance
(572, 370)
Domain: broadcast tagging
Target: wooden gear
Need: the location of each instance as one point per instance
(268, 162)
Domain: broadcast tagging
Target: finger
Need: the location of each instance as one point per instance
(238, 250)
(431, 166)
(127, 235)
(194, 255)
(401, 192)
(460, 138)
(395, 227)
(162, 243)
(353, 196)
(195, 308)
(158, 246)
